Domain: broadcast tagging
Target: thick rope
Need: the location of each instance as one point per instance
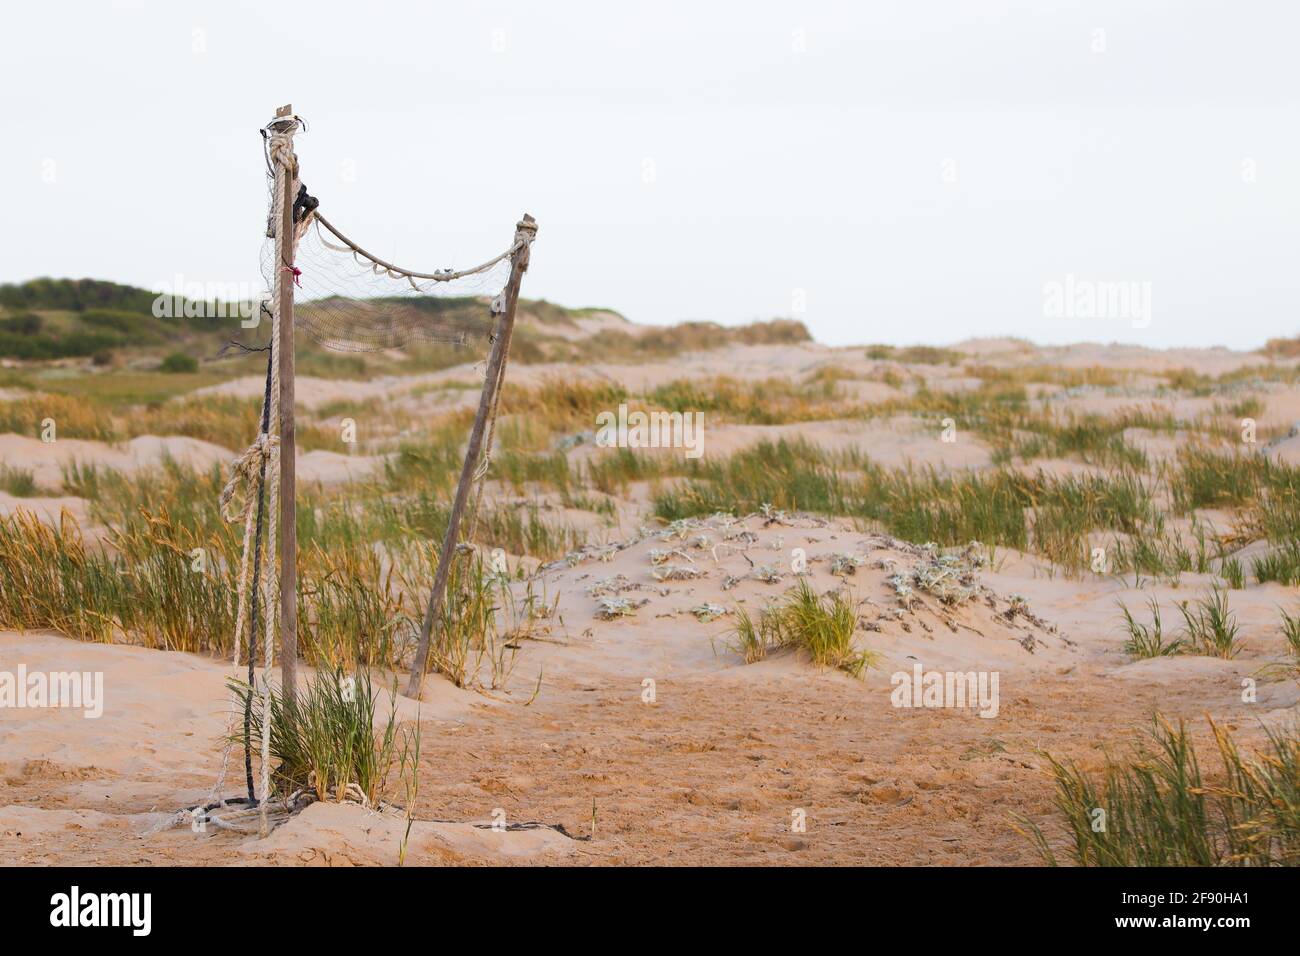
(380, 267)
(242, 479)
(244, 472)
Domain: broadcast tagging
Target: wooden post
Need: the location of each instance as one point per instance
(502, 332)
(288, 535)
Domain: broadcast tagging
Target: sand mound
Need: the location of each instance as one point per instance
(331, 467)
(48, 509)
(333, 834)
(893, 443)
(27, 822)
(664, 600)
(309, 391)
(46, 461)
(162, 713)
(1286, 450)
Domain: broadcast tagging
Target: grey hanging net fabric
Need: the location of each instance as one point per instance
(349, 300)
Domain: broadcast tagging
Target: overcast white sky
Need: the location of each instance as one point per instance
(919, 170)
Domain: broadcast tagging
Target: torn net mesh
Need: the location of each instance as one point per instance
(347, 303)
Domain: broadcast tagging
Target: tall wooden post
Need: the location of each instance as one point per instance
(288, 531)
(502, 332)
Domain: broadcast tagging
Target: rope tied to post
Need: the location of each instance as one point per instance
(279, 141)
(245, 474)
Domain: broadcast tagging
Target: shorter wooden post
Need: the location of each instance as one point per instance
(502, 332)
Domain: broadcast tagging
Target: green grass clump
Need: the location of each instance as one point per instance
(1210, 627)
(823, 626)
(1147, 640)
(1159, 808)
(914, 354)
(1291, 631)
(19, 482)
(1281, 565)
(919, 505)
(1095, 439)
(1206, 478)
(1232, 573)
(325, 743)
(351, 611)
(613, 471)
(791, 476)
(768, 402)
(752, 638)
(175, 363)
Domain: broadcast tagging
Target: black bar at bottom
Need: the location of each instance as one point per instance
(956, 904)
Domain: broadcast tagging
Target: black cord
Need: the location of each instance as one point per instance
(232, 345)
(266, 152)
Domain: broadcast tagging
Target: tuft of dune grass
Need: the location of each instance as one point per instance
(1159, 807)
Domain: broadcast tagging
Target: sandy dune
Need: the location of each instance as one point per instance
(646, 738)
(47, 460)
(710, 770)
(894, 442)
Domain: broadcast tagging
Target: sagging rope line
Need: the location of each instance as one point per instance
(381, 267)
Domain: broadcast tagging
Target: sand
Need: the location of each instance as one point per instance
(47, 462)
(717, 763)
(710, 771)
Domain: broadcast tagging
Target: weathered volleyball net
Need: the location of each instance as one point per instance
(348, 300)
(324, 283)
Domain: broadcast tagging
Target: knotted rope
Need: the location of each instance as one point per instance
(245, 474)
